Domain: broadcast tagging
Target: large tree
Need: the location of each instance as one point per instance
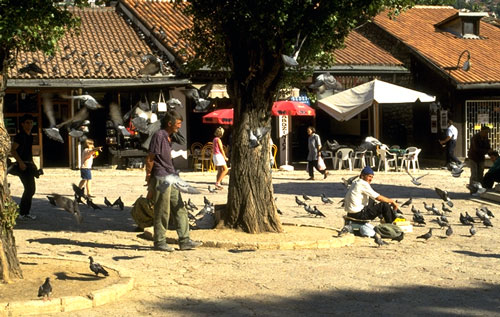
(25, 25)
(249, 38)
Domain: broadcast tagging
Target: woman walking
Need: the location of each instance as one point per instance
(219, 157)
(314, 146)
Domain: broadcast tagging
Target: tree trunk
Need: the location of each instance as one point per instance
(9, 263)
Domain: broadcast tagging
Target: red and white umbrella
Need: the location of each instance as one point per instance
(292, 108)
(220, 116)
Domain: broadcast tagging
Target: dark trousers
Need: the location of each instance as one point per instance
(373, 211)
(450, 152)
(490, 178)
(314, 165)
(28, 181)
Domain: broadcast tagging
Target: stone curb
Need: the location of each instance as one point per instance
(335, 242)
(70, 303)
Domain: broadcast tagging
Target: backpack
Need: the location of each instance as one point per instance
(388, 230)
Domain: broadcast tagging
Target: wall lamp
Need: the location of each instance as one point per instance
(466, 65)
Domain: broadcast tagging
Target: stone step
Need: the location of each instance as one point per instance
(490, 195)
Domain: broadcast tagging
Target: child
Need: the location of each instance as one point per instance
(88, 155)
(219, 157)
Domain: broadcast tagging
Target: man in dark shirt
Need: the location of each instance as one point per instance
(479, 147)
(159, 164)
(21, 150)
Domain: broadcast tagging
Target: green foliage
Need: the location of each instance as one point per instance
(9, 214)
(436, 2)
(32, 25)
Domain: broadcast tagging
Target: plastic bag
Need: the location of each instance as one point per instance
(162, 105)
(321, 164)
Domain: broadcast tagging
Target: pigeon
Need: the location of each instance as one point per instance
(73, 125)
(118, 202)
(414, 210)
(299, 202)
(176, 181)
(449, 231)
(153, 66)
(87, 100)
(469, 217)
(107, 202)
(92, 205)
(48, 108)
(306, 197)
(32, 69)
(207, 209)
(212, 190)
(445, 208)
(200, 97)
(325, 199)
(97, 268)
(415, 180)
(472, 230)
(427, 207)
(435, 210)
(487, 222)
(279, 211)
(317, 212)
(206, 201)
(407, 203)
(464, 220)
(419, 219)
(346, 229)
(254, 138)
(292, 60)
(191, 204)
(116, 117)
(444, 218)
(456, 170)
(378, 240)
(441, 223)
(400, 238)
(443, 194)
(481, 214)
(45, 289)
(67, 204)
(78, 191)
(188, 208)
(488, 212)
(348, 182)
(309, 209)
(426, 236)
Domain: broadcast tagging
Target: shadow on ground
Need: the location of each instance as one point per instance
(410, 301)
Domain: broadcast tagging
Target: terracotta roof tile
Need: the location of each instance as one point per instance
(166, 21)
(105, 39)
(415, 28)
(361, 51)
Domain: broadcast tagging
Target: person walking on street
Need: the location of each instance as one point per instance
(479, 147)
(450, 142)
(219, 158)
(159, 164)
(314, 146)
(26, 169)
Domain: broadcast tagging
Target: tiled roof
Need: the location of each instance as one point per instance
(415, 28)
(166, 21)
(105, 39)
(361, 51)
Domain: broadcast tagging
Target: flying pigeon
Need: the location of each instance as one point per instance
(426, 236)
(325, 199)
(87, 100)
(200, 97)
(154, 65)
(407, 203)
(118, 202)
(415, 180)
(254, 138)
(177, 182)
(32, 69)
(378, 240)
(443, 194)
(97, 268)
(116, 117)
(348, 182)
(67, 204)
(292, 60)
(45, 289)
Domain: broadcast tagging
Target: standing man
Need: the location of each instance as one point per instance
(450, 142)
(358, 196)
(479, 147)
(21, 150)
(159, 164)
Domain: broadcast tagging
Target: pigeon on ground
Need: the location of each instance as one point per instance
(176, 181)
(345, 229)
(255, 137)
(97, 268)
(299, 202)
(317, 212)
(469, 217)
(426, 236)
(92, 205)
(487, 222)
(456, 170)
(472, 230)
(191, 204)
(78, 191)
(419, 219)
(118, 202)
(87, 100)
(443, 194)
(45, 289)
(407, 203)
(441, 223)
(488, 212)
(444, 218)
(378, 240)
(348, 182)
(436, 211)
(414, 210)
(206, 201)
(445, 208)
(67, 204)
(325, 199)
(309, 210)
(212, 190)
(416, 180)
(481, 214)
(306, 197)
(427, 207)
(400, 238)
(449, 231)
(107, 202)
(464, 220)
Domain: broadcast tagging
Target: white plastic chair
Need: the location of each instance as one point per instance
(359, 156)
(328, 155)
(343, 155)
(410, 159)
(387, 158)
(370, 158)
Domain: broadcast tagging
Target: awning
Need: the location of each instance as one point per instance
(348, 103)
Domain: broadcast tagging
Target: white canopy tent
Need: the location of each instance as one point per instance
(347, 104)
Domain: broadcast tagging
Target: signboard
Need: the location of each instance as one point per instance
(283, 126)
(483, 118)
(444, 119)
(434, 123)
